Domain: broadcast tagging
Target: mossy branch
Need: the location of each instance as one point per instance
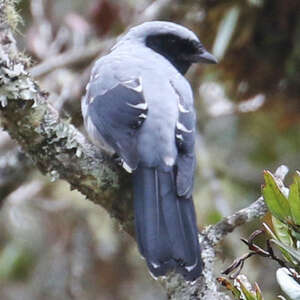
(56, 146)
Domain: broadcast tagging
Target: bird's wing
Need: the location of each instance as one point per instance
(117, 115)
(185, 140)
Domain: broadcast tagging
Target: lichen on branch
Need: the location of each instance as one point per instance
(55, 145)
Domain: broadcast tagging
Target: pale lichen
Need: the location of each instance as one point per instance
(10, 15)
(14, 81)
(54, 175)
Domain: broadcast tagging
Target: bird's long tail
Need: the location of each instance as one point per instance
(166, 228)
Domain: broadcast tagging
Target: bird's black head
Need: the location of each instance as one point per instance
(181, 52)
(176, 43)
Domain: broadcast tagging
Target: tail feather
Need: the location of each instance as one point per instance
(166, 227)
(173, 217)
(194, 265)
(151, 233)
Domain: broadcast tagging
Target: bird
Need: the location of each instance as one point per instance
(139, 106)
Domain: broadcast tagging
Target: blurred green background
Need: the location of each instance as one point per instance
(56, 245)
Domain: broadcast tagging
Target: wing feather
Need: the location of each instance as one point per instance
(117, 116)
(185, 142)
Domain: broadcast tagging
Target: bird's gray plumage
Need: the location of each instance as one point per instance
(139, 105)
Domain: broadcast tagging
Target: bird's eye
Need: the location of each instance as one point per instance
(200, 48)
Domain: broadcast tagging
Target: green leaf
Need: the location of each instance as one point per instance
(292, 251)
(269, 230)
(274, 198)
(294, 199)
(295, 234)
(247, 294)
(283, 234)
(227, 284)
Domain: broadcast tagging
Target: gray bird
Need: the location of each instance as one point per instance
(139, 106)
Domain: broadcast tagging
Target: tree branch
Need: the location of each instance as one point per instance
(56, 146)
(254, 211)
(90, 52)
(218, 232)
(70, 58)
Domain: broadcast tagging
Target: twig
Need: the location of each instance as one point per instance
(153, 10)
(228, 224)
(80, 55)
(238, 263)
(254, 211)
(70, 58)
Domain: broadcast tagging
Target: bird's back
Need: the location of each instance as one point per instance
(156, 138)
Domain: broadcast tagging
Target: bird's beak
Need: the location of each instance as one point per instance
(202, 57)
(205, 57)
